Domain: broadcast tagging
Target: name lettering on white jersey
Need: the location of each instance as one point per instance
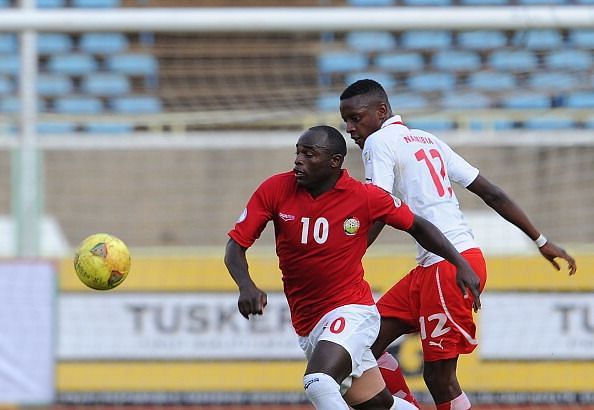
(418, 138)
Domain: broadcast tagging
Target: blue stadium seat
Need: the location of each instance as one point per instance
(12, 105)
(4, 3)
(482, 39)
(587, 2)
(467, 100)
(54, 85)
(56, 127)
(385, 79)
(367, 3)
(426, 39)
(410, 101)
(342, 62)
(96, 3)
(6, 85)
(492, 80)
(105, 84)
(582, 38)
(513, 60)
(109, 128)
(431, 81)
(78, 105)
(547, 123)
(416, 3)
(8, 43)
(456, 60)
(526, 100)
(484, 2)
(538, 39)
(400, 61)
(431, 124)
(10, 64)
(72, 64)
(50, 4)
(370, 40)
(133, 64)
(552, 80)
(328, 102)
(103, 43)
(54, 43)
(569, 59)
(136, 105)
(542, 2)
(582, 99)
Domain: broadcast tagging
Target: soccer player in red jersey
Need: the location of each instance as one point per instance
(321, 218)
(420, 168)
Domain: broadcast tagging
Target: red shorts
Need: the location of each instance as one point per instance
(430, 301)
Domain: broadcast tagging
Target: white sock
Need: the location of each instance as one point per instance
(401, 404)
(460, 403)
(323, 392)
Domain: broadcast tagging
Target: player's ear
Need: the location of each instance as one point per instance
(382, 111)
(336, 160)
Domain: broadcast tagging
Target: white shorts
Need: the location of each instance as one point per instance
(354, 327)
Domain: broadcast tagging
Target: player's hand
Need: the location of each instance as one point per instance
(252, 301)
(467, 279)
(551, 251)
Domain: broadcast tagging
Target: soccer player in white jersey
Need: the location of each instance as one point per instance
(419, 168)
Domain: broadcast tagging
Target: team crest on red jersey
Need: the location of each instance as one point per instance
(351, 225)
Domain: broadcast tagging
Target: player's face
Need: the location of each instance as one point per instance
(314, 165)
(362, 117)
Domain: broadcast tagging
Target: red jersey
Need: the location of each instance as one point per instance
(320, 242)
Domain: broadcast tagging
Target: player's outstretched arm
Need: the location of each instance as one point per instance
(252, 300)
(431, 238)
(497, 199)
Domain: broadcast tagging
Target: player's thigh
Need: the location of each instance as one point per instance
(354, 328)
(390, 330)
(368, 389)
(446, 322)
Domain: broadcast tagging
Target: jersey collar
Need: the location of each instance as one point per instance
(395, 120)
(342, 182)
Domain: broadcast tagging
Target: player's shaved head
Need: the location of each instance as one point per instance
(368, 88)
(330, 138)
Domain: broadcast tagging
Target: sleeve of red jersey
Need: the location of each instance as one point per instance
(255, 216)
(386, 207)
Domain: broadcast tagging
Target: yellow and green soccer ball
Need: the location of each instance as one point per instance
(102, 261)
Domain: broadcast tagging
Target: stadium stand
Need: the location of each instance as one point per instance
(425, 70)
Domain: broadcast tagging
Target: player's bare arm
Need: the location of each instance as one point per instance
(431, 238)
(497, 199)
(252, 300)
(374, 232)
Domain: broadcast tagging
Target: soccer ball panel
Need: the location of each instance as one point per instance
(102, 261)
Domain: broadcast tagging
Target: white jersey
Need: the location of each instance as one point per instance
(419, 168)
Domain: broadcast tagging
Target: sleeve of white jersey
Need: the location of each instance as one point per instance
(379, 159)
(459, 170)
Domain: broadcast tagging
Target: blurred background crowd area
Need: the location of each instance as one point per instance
(517, 102)
(507, 79)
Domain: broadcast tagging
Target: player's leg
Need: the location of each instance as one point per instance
(328, 365)
(397, 319)
(447, 329)
(442, 382)
(369, 392)
(339, 348)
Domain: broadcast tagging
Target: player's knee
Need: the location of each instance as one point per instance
(318, 385)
